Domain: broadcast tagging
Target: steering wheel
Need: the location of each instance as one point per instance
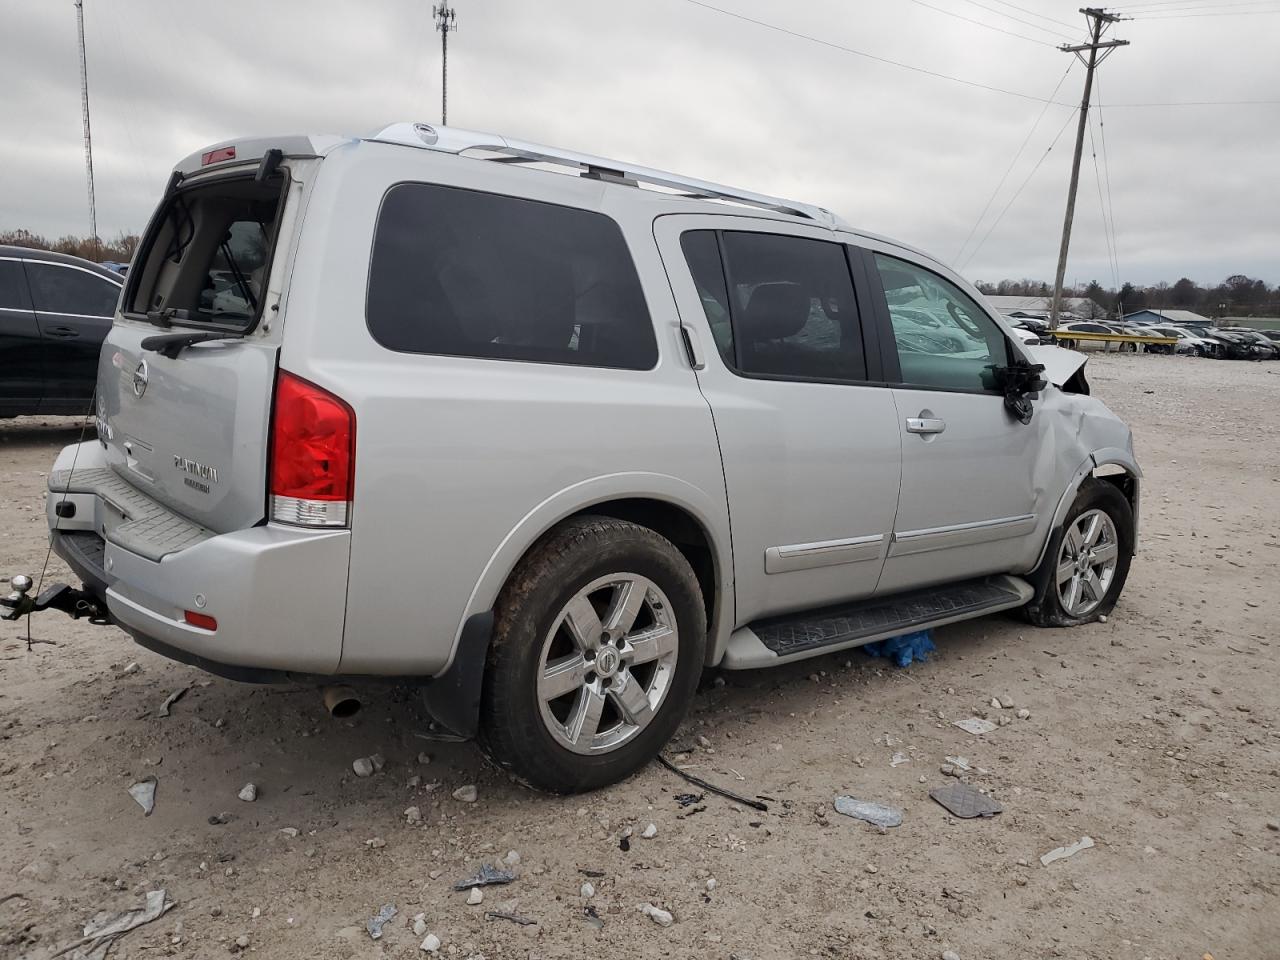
(964, 323)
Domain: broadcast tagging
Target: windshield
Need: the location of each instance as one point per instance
(207, 255)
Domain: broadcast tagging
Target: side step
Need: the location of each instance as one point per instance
(811, 633)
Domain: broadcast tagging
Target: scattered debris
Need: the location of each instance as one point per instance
(487, 875)
(377, 843)
(904, 649)
(659, 916)
(424, 758)
(1024, 714)
(512, 859)
(873, 813)
(289, 832)
(242, 942)
(171, 699)
(624, 842)
(513, 917)
(975, 725)
(698, 782)
(689, 799)
(950, 955)
(962, 763)
(466, 794)
(144, 791)
(363, 767)
(995, 702)
(898, 759)
(1273, 824)
(592, 917)
(594, 874)
(419, 924)
(248, 793)
(475, 897)
(129, 668)
(712, 883)
(375, 923)
(412, 815)
(218, 819)
(101, 933)
(431, 944)
(965, 801)
(1061, 853)
(650, 832)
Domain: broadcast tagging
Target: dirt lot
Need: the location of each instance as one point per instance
(1157, 734)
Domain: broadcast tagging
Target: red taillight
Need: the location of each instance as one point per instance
(313, 437)
(201, 620)
(217, 156)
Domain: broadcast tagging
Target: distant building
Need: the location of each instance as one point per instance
(1177, 318)
(1039, 308)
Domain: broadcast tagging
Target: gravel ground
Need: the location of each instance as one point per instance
(1155, 734)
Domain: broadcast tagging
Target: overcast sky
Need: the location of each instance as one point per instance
(673, 84)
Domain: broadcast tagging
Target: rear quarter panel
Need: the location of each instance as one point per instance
(461, 463)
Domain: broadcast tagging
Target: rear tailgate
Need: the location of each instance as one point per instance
(190, 426)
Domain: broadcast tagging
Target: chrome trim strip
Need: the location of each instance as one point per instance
(822, 553)
(960, 535)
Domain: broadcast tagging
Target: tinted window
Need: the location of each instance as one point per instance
(702, 252)
(13, 286)
(471, 274)
(236, 277)
(792, 307)
(944, 338)
(59, 289)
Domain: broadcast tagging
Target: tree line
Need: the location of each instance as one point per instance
(1236, 296)
(119, 250)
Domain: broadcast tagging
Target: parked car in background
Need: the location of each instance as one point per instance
(1233, 346)
(55, 311)
(1189, 342)
(551, 442)
(1065, 330)
(1262, 347)
(1026, 335)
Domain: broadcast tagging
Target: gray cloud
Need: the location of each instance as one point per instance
(671, 84)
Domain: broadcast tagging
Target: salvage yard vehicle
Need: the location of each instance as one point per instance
(551, 444)
(55, 311)
(1260, 347)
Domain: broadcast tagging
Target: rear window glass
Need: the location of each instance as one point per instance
(208, 255)
(13, 286)
(470, 274)
(59, 289)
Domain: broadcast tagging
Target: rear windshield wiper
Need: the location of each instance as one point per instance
(172, 344)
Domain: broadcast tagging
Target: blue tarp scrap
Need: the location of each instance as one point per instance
(904, 649)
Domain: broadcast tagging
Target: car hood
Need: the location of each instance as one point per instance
(1060, 364)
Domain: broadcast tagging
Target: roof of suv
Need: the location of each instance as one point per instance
(49, 256)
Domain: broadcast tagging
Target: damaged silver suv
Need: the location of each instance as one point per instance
(421, 405)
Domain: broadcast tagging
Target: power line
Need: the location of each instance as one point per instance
(1108, 234)
(1012, 163)
(1201, 103)
(1106, 170)
(980, 23)
(862, 53)
(1196, 16)
(1164, 6)
(1028, 23)
(1033, 13)
(1017, 193)
(88, 137)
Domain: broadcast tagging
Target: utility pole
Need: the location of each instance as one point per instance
(88, 139)
(1099, 20)
(446, 21)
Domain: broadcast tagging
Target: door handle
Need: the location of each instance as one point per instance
(693, 347)
(63, 332)
(925, 425)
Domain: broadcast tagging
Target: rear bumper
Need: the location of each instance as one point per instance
(277, 593)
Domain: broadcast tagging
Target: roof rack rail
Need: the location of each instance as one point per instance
(457, 141)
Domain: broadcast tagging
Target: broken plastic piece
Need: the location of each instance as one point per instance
(875, 813)
(171, 699)
(144, 791)
(487, 875)
(699, 782)
(375, 923)
(1061, 853)
(966, 801)
(975, 725)
(101, 933)
(904, 649)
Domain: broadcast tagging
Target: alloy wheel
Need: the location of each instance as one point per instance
(1087, 562)
(607, 663)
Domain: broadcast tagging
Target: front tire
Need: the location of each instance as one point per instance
(1087, 563)
(597, 649)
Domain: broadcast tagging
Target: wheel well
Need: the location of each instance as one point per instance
(1121, 479)
(678, 526)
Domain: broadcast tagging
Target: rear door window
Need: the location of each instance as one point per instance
(13, 286)
(779, 306)
(61, 289)
(469, 274)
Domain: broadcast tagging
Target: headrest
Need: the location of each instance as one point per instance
(776, 311)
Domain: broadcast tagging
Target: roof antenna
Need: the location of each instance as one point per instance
(446, 21)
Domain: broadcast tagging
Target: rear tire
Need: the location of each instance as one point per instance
(597, 649)
(1087, 562)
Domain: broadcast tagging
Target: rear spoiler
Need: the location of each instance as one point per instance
(234, 153)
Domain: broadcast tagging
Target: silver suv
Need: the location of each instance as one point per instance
(420, 405)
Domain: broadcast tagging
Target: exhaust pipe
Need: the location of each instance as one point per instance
(341, 701)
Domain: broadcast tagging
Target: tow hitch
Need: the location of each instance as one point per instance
(58, 596)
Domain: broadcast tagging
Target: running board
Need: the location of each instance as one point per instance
(811, 633)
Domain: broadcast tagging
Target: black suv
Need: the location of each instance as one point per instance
(55, 311)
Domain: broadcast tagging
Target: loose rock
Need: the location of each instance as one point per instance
(950, 955)
(466, 794)
(363, 767)
(431, 944)
(420, 925)
(1024, 714)
(248, 793)
(413, 815)
(659, 916)
(242, 941)
(512, 858)
(475, 897)
(588, 890)
(650, 831)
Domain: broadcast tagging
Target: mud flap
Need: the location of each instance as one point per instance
(452, 699)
